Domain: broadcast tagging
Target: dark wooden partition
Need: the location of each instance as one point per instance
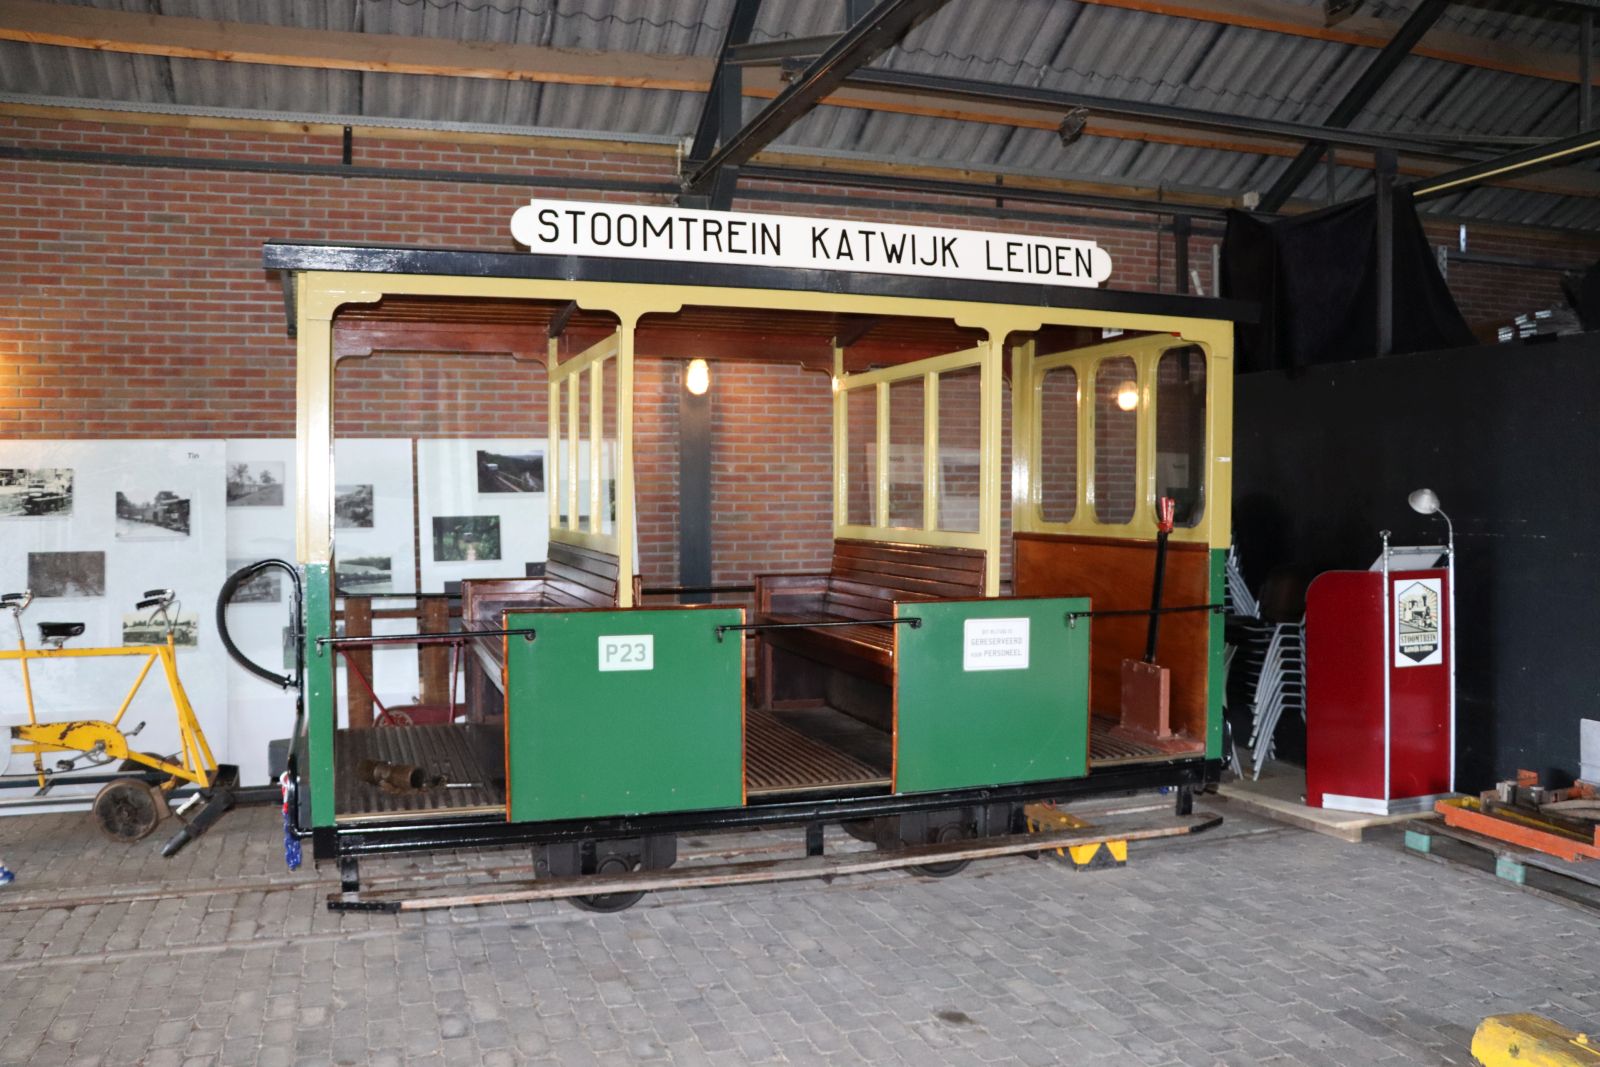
(1116, 576)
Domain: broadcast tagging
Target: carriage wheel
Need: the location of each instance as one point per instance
(868, 830)
(608, 902)
(127, 809)
(948, 832)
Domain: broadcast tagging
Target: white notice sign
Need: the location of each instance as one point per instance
(994, 645)
(753, 239)
(628, 652)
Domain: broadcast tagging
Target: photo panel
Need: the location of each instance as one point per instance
(258, 483)
(483, 508)
(35, 492)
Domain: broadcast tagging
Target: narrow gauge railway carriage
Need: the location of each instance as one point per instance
(942, 673)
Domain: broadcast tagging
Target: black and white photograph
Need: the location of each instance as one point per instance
(352, 507)
(466, 538)
(67, 574)
(148, 628)
(265, 588)
(257, 484)
(499, 472)
(162, 515)
(362, 575)
(32, 491)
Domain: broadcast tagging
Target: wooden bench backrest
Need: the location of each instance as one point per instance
(581, 577)
(574, 577)
(868, 576)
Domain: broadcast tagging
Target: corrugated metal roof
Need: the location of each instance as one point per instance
(1056, 44)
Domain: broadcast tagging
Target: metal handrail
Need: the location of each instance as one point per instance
(1074, 616)
(820, 624)
(448, 637)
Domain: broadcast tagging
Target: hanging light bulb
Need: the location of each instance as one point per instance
(1128, 395)
(698, 379)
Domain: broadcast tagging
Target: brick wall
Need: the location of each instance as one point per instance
(136, 306)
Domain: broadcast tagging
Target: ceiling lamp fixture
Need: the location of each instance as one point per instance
(1128, 395)
(698, 378)
(1072, 125)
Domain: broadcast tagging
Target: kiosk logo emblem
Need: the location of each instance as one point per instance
(1416, 629)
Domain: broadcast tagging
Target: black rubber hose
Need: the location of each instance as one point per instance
(229, 588)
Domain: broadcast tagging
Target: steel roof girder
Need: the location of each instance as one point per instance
(883, 26)
(1418, 23)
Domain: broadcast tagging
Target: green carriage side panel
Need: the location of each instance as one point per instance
(958, 724)
(589, 734)
(1216, 673)
(320, 712)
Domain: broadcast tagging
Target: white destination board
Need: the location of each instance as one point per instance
(628, 652)
(994, 645)
(746, 238)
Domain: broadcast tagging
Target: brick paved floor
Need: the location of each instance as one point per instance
(1251, 945)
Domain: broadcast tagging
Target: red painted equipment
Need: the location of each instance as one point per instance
(1380, 686)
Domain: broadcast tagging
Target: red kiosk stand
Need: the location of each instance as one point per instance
(1380, 682)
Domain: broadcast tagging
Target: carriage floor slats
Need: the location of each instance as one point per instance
(1110, 744)
(781, 759)
(461, 753)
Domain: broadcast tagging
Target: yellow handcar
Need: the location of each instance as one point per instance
(126, 808)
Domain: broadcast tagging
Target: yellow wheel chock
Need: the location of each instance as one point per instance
(1524, 1040)
(1098, 855)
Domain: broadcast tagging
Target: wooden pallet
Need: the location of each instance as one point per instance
(1570, 882)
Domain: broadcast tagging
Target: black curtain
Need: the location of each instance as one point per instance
(1315, 278)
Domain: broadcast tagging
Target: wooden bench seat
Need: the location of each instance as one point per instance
(574, 578)
(864, 581)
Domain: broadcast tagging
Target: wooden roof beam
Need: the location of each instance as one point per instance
(68, 26)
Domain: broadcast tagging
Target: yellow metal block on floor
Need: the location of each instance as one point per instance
(1099, 855)
(1525, 1040)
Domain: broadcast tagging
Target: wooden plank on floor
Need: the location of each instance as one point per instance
(417, 898)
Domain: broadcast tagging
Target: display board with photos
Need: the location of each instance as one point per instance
(483, 508)
(88, 526)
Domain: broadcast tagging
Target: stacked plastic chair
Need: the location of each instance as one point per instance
(1244, 624)
(1281, 687)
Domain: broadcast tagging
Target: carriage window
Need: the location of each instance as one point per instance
(1181, 431)
(959, 442)
(1058, 445)
(861, 450)
(1116, 421)
(905, 452)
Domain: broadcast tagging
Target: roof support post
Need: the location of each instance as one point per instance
(1180, 251)
(1585, 71)
(1419, 22)
(694, 492)
(883, 26)
(1384, 250)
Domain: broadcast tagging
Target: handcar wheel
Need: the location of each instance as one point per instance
(946, 833)
(127, 809)
(609, 902)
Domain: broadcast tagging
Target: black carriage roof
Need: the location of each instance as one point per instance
(391, 259)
